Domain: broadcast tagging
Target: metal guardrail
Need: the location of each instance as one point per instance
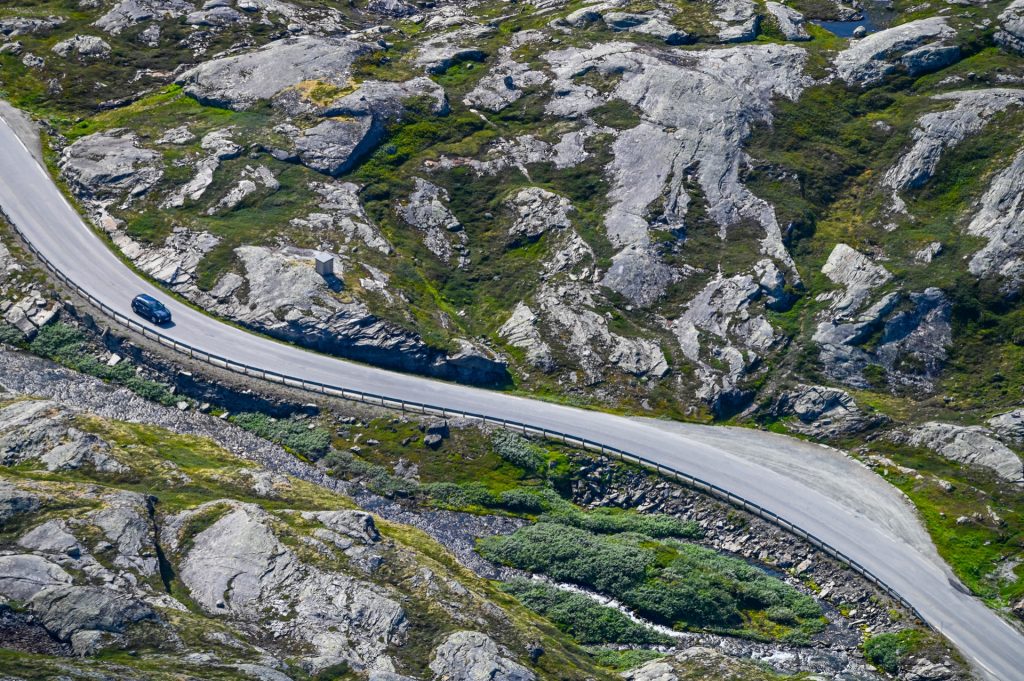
(428, 409)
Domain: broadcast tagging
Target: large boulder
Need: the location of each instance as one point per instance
(241, 81)
(789, 21)
(110, 165)
(823, 412)
(917, 47)
(536, 211)
(472, 656)
(84, 46)
(68, 610)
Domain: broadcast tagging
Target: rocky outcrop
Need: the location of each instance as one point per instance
(537, 211)
(1010, 34)
(472, 656)
(677, 141)
(341, 219)
(12, 27)
(82, 614)
(823, 412)
(110, 166)
(287, 299)
(219, 147)
(917, 47)
(15, 501)
(521, 330)
(720, 327)
(443, 234)
(970, 445)
(35, 431)
(83, 46)
(912, 347)
(857, 274)
(1009, 425)
(241, 81)
(789, 21)
(441, 52)
(942, 130)
(355, 124)
(239, 568)
(655, 23)
(507, 80)
(1000, 220)
(738, 21)
(126, 13)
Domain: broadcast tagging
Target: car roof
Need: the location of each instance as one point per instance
(146, 298)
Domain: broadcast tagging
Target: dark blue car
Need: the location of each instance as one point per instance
(150, 308)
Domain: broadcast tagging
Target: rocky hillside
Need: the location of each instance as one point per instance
(156, 555)
(803, 216)
(135, 544)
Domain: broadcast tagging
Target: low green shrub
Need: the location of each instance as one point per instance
(294, 434)
(518, 451)
(581, 617)
(887, 651)
(66, 344)
(668, 581)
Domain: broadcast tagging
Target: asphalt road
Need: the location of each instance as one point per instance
(894, 551)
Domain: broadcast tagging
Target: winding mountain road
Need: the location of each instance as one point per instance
(842, 504)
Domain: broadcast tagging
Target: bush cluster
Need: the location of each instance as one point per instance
(294, 434)
(518, 451)
(669, 582)
(887, 651)
(581, 617)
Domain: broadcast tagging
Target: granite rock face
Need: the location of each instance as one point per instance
(238, 567)
(110, 166)
(915, 332)
(722, 332)
(287, 299)
(790, 22)
(734, 88)
(36, 431)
